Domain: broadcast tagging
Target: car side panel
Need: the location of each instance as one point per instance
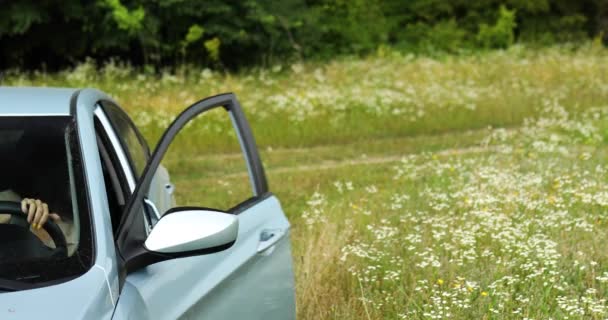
(251, 291)
(131, 305)
(86, 297)
(225, 284)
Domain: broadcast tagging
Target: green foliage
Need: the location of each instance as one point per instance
(195, 32)
(352, 25)
(130, 21)
(444, 36)
(157, 33)
(500, 35)
(544, 31)
(24, 16)
(213, 48)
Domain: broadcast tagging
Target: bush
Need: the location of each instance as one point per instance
(500, 35)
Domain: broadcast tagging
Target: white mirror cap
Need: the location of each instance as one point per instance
(191, 230)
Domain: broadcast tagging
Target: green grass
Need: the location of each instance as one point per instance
(467, 188)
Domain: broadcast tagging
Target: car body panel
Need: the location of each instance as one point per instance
(131, 305)
(30, 101)
(86, 297)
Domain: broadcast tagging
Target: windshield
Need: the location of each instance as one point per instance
(40, 162)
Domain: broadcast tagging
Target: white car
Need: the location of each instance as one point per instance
(127, 252)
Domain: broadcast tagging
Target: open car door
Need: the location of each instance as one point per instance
(202, 263)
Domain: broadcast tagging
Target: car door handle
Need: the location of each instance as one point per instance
(268, 238)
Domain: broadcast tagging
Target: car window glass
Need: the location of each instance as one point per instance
(132, 142)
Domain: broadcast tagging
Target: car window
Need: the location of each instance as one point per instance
(41, 159)
(132, 141)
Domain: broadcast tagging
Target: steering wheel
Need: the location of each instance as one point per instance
(18, 240)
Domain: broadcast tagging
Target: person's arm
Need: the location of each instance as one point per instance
(37, 212)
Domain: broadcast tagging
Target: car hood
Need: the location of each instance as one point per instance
(86, 297)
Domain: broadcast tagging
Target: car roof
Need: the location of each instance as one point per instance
(35, 101)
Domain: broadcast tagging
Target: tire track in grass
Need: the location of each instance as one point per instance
(333, 164)
(328, 165)
(434, 143)
(269, 151)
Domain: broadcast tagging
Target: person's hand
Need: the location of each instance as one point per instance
(37, 212)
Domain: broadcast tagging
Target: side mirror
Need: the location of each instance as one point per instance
(188, 231)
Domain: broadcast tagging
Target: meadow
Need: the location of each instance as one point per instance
(469, 187)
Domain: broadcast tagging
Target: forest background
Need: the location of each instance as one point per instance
(220, 34)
